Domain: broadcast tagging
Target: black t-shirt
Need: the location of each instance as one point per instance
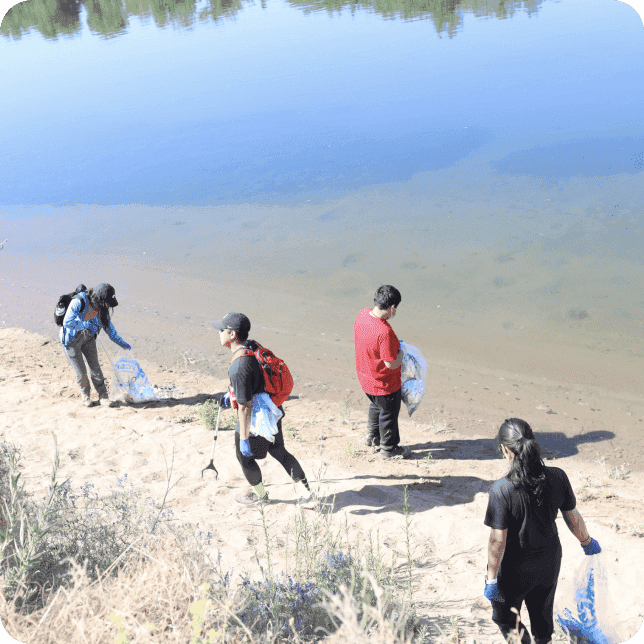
(531, 528)
(246, 378)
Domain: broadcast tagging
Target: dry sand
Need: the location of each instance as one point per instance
(454, 463)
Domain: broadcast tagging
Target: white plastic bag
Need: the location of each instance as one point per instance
(584, 609)
(263, 420)
(412, 393)
(414, 365)
(413, 371)
(130, 384)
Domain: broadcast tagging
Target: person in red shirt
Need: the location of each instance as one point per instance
(378, 360)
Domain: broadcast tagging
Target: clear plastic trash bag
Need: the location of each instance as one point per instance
(584, 608)
(130, 384)
(414, 365)
(412, 393)
(412, 374)
(264, 417)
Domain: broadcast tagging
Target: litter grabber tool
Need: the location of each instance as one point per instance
(211, 465)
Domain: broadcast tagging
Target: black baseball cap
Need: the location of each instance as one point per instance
(106, 292)
(235, 322)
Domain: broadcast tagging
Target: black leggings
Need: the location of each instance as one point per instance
(259, 447)
(534, 581)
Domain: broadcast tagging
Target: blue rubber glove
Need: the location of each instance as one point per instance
(126, 346)
(492, 593)
(244, 447)
(223, 400)
(593, 548)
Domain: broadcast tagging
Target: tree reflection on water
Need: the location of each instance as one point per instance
(447, 15)
(109, 18)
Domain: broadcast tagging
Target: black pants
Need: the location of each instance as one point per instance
(259, 447)
(382, 423)
(533, 580)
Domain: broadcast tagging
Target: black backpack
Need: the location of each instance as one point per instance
(64, 302)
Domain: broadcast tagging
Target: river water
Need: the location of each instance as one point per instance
(286, 158)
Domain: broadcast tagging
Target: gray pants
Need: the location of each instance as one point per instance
(84, 344)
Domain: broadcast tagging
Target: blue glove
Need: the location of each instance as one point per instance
(244, 447)
(593, 548)
(223, 400)
(492, 593)
(126, 346)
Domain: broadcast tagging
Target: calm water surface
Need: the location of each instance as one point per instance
(286, 158)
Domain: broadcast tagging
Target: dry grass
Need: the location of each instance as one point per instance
(156, 585)
(155, 598)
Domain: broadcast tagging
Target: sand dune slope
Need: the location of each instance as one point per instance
(447, 480)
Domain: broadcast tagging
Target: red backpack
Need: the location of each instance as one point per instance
(278, 381)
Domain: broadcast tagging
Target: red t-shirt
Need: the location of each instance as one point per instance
(375, 341)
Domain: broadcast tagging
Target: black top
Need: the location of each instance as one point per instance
(531, 528)
(246, 378)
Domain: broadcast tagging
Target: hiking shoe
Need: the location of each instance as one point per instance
(396, 453)
(87, 401)
(371, 441)
(251, 498)
(104, 401)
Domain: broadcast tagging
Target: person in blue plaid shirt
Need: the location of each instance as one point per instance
(88, 313)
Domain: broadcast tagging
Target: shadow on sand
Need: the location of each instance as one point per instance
(553, 445)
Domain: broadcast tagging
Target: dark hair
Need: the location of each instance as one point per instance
(104, 312)
(387, 296)
(527, 470)
(242, 335)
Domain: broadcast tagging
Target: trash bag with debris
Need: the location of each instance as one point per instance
(413, 371)
(584, 608)
(414, 365)
(264, 417)
(130, 384)
(412, 393)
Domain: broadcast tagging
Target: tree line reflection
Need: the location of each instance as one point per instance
(447, 15)
(110, 18)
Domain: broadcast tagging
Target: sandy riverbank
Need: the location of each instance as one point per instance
(38, 396)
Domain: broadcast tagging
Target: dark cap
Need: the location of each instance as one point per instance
(234, 321)
(106, 292)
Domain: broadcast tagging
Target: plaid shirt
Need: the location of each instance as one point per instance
(74, 323)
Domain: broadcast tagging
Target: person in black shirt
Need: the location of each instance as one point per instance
(246, 381)
(524, 551)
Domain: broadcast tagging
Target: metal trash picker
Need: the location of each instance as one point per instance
(211, 465)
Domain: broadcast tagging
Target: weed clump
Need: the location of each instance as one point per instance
(300, 604)
(207, 413)
(40, 538)
(80, 566)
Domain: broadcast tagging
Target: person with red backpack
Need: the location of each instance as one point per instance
(254, 370)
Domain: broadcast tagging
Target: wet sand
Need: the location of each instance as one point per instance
(533, 289)
(580, 397)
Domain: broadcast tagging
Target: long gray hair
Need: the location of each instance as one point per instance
(527, 469)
